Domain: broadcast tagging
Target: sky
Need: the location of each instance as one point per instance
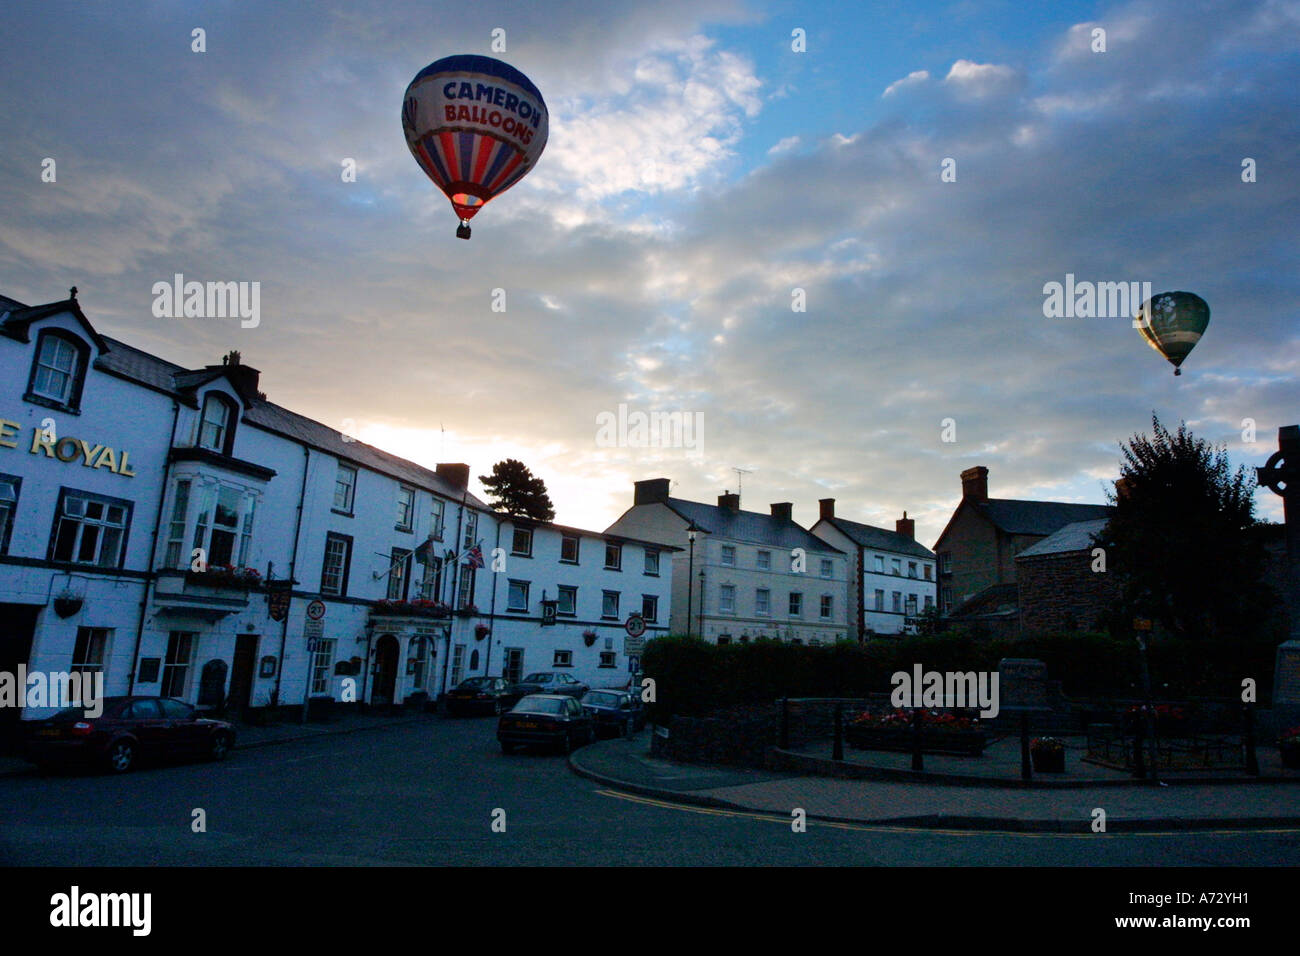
(912, 175)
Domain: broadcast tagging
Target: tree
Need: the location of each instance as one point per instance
(517, 491)
(1180, 539)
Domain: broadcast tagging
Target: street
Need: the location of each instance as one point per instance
(425, 794)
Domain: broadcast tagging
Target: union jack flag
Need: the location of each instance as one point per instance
(474, 557)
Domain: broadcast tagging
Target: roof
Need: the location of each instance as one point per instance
(524, 521)
(869, 536)
(18, 318)
(1078, 536)
(133, 364)
(1000, 600)
(750, 526)
(1016, 516)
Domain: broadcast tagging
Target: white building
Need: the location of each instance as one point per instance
(746, 575)
(894, 577)
(175, 531)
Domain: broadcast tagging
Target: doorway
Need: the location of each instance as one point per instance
(15, 650)
(385, 671)
(240, 696)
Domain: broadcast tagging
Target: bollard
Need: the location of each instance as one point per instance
(1252, 758)
(837, 752)
(1139, 763)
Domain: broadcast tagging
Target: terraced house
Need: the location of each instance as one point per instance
(174, 530)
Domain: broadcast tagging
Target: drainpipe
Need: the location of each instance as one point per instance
(862, 595)
(293, 569)
(153, 553)
(492, 613)
(455, 587)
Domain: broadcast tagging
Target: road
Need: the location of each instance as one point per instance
(425, 794)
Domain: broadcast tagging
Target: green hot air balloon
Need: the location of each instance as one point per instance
(1172, 323)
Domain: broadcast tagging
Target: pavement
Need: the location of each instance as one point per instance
(1245, 803)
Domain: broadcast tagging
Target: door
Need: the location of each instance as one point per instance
(15, 650)
(385, 670)
(241, 675)
(514, 666)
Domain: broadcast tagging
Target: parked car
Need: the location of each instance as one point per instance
(128, 729)
(555, 720)
(549, 682)
(614, 711)
(490, 695)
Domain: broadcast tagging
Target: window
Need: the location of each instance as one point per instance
(223, 525)
(321, 663)
(897, 566)
(345, 486)
(405, 508)
(609, 604)
(880, 563)
(947, 599)
(764, 561)
(457, 663)
(431, 586)
(399, 573)
(898, 602)
(438, 514)
(569, 549)
(523, 542)
(9, 487)
(613, 556)
(88, 652)
(58, 370)
(420, 652)
(880, 599)
(518, 596)
(911, 569)
(563, 659)
(727, 599)
(652, 562)
(90, 529)
(763, 602)
(650, 608)
(929, 572)
(945, 562)
(465, 590)
(334, 569)
(726, 639)
(176, 556)
(929, 601)
(828, 605)
(729, 555)
(796, 604)
(911, 605)
(216, 424)
(567, 603)
(471, 530)
(608, 659)
(176, 665)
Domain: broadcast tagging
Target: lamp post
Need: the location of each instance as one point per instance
(691, 532)
(700, 617)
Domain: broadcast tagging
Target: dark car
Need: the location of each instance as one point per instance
(485, 695)
(548, 682)
(554, 720)
(127, 730)
(614, 711)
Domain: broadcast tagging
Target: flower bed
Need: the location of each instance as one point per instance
(942, 732)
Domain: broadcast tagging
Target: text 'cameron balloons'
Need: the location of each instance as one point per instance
(476, 126)
(1172, 323)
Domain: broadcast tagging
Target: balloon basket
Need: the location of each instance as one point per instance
(462, 231)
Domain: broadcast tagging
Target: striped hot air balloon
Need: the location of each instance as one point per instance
(1172, 323)
(476, 126)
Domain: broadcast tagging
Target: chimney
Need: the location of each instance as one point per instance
(975, 483)
(827, 506)
(783, 510)
(729, 501)
(906, 526)
(456, 475)
(650, 491)
(244, 377)
(1123, 487)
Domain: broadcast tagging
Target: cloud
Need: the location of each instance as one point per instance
(912, 79)
(978, 80)
(784, 145)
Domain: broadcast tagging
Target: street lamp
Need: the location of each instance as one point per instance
(691, 532)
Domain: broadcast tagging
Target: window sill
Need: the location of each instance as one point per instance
(51, 403)
(608, 568)
(651, 574)
(520, 554)
(398, 527)
(346, 514)
(565, 561)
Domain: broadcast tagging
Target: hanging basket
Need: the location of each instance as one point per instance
(66, 605)
(481, 631)
(589, 637)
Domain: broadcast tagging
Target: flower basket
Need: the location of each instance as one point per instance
(589, 637)
(417, 608)
(481, 631)
(1047, 755)
(469, 610)
(66, 605)
(226, 576)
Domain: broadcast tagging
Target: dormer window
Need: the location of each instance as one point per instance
(215, 424)
(58, 370)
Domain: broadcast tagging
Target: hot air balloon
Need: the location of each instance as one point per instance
(1172, 324)
(476, 126)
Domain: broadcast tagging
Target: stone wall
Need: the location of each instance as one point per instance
(1061, 592)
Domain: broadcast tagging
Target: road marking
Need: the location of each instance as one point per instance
(888, 828)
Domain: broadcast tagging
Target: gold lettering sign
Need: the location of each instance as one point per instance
(69, 449)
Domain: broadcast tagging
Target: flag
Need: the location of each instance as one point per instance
(474, 557)
(424, 553)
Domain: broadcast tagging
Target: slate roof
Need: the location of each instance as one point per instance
(752, 527)
(138, 366)
(881, 539)
(998, 600)
(1015, 516)
(1073, 537)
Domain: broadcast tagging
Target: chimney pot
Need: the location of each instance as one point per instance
(783, 510)
(975, 483)
(827, 508)
(729, 501)
(650, 491)
(906, 526)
